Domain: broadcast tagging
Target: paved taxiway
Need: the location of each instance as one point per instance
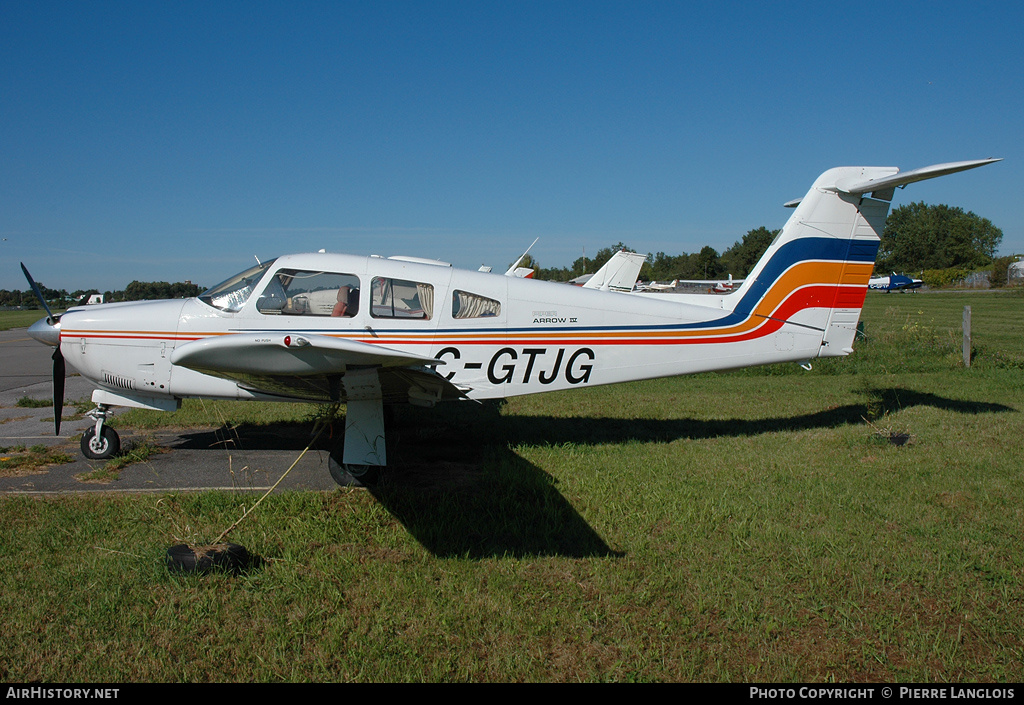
(195, 459)
(23, 361)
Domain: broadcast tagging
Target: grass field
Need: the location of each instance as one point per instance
(754, 526)
(21, 319)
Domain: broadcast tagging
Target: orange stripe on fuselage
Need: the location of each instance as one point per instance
(135, 334)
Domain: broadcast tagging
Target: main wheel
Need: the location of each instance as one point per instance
(350, 475)
(107, 445)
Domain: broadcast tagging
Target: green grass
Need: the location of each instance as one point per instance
(936, 319)
(21, 319)
(18, 459)
(202, 413)
(30, 403)
(136, 452)
(749, 526)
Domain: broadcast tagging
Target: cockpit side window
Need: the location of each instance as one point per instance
(468, 305)
(296, 292)
(231, 294)
(398, 298)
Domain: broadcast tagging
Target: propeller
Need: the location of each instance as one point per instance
(58, 388)
(51, 319)
(48, 332)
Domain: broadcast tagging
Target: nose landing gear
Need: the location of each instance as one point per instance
(100, 442)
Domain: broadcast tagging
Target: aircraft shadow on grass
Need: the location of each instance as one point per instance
(459, 489)
(530, 430)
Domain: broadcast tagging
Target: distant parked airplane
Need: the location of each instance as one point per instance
(655, 286)
(715, 286)
(894, 282)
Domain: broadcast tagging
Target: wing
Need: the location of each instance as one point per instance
(315, 367)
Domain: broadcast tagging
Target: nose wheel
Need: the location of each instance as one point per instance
(101, 441)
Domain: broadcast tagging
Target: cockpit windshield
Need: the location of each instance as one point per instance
(231, 294)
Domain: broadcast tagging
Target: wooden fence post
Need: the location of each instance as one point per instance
(967, 336)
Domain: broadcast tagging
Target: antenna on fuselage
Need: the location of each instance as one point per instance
(258, 263)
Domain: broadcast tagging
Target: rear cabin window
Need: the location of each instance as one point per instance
(469, 305)
(399, 298)
(296, 292)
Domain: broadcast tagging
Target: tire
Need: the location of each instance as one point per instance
(348, 475)
(229, 557)
(106, 446)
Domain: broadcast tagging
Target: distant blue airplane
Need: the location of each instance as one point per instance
(894, 282)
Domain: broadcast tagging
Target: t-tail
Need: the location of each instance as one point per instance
(815, 273)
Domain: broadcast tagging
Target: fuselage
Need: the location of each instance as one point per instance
(497, 336)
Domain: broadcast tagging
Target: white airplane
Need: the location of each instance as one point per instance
(726, 286)
(715, 286)
(655, 286)
(375, 331)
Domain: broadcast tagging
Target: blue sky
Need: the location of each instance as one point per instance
(179, 140)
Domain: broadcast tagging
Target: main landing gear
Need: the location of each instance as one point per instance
(362, 456)
(351, 474)
(100, 442)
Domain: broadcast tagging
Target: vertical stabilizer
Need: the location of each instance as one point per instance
(815, 273)
(619, 273)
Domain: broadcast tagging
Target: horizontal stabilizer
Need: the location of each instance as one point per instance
(856, 186)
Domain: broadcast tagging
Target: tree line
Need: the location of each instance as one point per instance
(737, 260)
(135, 291)
(939, 243)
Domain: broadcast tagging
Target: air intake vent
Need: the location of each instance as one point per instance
(118, 381)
